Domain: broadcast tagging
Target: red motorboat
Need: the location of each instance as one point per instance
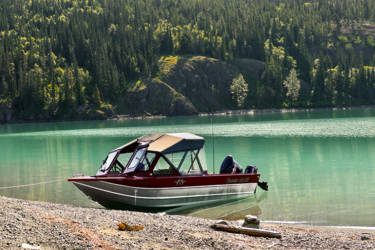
(163, 170)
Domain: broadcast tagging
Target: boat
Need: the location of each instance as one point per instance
(163, 171)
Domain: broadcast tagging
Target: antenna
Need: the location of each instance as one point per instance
(212, 129)
(213, 143)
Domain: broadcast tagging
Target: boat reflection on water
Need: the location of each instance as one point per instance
(227, 210)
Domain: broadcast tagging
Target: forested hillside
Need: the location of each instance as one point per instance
(62, 59)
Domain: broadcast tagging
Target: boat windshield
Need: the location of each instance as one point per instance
(137, 158)
(107, 162)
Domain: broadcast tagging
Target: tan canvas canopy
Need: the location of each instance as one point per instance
(165, 143)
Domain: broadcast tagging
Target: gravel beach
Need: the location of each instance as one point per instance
(38, 225)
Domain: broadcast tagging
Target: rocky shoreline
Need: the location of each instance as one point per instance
(281, 110)
(215, 113)
(39, 225)
(246, 112)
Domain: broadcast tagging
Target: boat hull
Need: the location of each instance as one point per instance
(111, 194)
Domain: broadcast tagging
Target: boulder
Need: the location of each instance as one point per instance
(251, 221)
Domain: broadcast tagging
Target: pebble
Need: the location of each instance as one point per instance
(51, 225)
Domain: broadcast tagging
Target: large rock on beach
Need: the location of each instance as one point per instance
(251, 221)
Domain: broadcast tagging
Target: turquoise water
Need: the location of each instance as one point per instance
(320, 165)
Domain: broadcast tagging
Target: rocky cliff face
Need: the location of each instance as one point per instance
(184, 86)
(155, 97)
(204, 81)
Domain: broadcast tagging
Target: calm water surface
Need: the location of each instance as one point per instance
(320, 165)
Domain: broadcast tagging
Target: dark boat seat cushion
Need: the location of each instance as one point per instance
(228, 165)
(140, 167)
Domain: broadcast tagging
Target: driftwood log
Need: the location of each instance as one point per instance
(248, 231)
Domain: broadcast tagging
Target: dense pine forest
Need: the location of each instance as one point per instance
(62, 59)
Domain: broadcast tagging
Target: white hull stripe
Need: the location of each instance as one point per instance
(177, 187)
(162, 198)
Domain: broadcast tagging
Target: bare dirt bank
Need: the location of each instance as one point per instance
(45, 225)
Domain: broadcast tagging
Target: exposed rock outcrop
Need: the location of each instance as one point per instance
(156, 97)
(204, 81)
(90, 112)
(184, 86)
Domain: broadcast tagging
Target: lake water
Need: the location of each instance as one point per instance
(320, 165)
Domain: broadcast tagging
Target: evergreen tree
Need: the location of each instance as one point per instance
(318, 95)
(107, 45)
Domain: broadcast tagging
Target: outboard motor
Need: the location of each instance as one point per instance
(228, 165)
(251, 170)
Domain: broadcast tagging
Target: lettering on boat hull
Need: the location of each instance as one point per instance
(237, 180)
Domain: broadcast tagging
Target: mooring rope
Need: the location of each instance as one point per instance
(32, 184)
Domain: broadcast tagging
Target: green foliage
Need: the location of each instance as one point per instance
(292, 85)
(167, 63)
(58, 57)
(239, 89)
